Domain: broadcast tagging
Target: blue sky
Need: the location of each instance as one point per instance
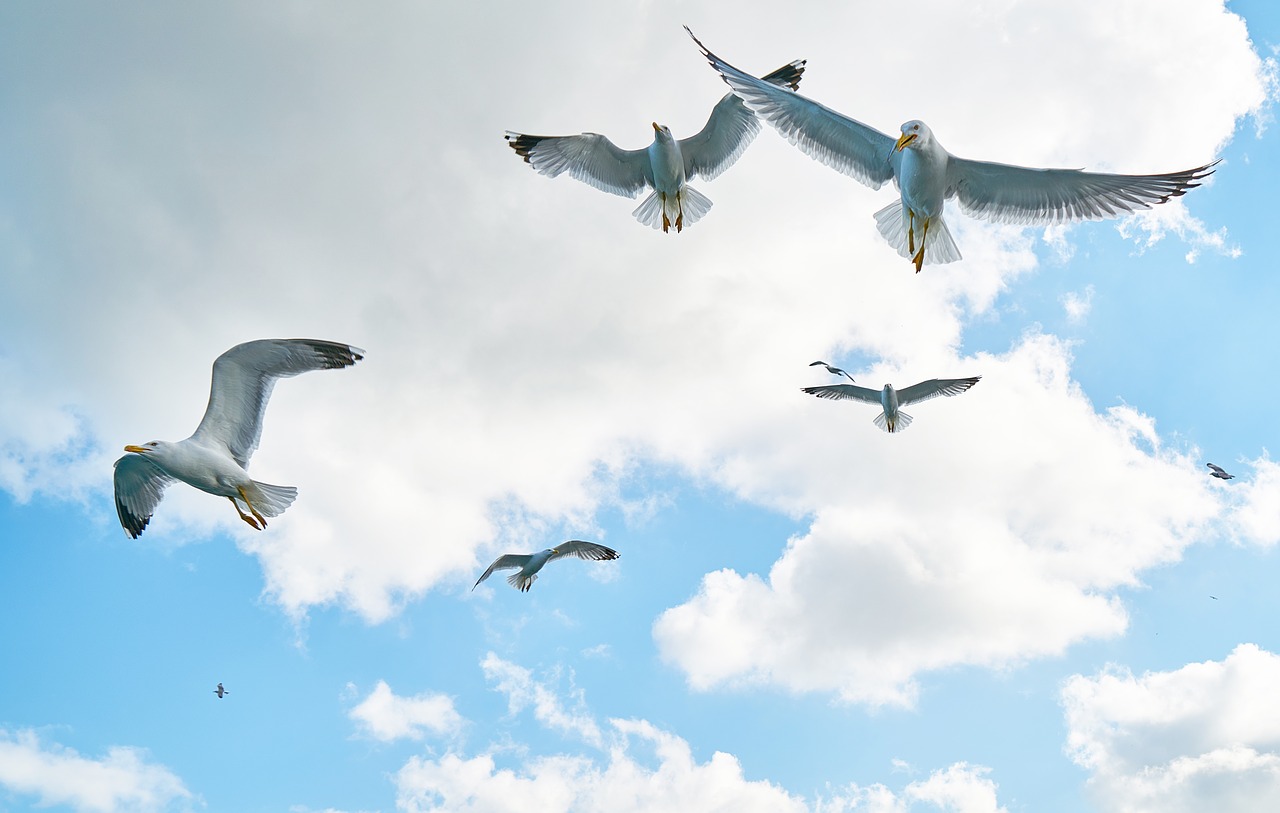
(1009, 607)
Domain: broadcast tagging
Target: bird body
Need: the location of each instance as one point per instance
(1219, 472)
(666, 166)
(215, 458)
(890, 400)
(220, 692)
(831, 369)
(528, 564)
(926, 175)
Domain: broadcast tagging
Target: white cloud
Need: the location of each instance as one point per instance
(121, 780)
(386, 716)
(1203, 737)
(365, 219)
(518, 684)
(1078, 305)
(1255, 513)
(1148, 227)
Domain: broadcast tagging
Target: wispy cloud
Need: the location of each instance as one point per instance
(522, 691)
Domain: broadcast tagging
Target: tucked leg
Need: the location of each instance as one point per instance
(919, 258)
(911, 231)
(245, 497)
(243, 515)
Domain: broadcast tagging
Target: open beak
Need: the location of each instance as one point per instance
(135, 449)
(904, 140)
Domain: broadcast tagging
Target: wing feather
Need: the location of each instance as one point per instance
(139, 487)
(506, 561)
(589, 157)
(850, 392)
(730, 129)
(1026, 196)
(243, 378)
(933, 388)
(842, 143)
(583, 550)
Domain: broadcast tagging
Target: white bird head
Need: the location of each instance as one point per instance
(915, 134)
(662, 132)
(155, 448)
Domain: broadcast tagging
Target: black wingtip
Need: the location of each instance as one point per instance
(523, 144)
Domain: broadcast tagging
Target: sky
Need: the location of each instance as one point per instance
(1036, 599)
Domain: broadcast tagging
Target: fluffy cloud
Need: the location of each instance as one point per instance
(408, 229)
(1203, 737)
(386, 716)
(523, 690)
(944, 545)
(121, 780)
(1255, 512)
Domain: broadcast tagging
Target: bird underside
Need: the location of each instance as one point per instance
(262, 500)
(662, 211)
(921, 240)
(901, 422)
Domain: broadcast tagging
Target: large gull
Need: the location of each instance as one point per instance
(1219, 472)
(530, 563)
(216, 456)
(926, 175)
(666, 165)
(890, 401)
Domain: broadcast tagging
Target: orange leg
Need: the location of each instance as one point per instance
(261, 519)
(919, 258)
(243, 515)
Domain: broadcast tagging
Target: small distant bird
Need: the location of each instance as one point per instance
(665, 166)
(220, 692)
(830, 369)
(216, 456)
(926, 175)
(890, 400)
(530, 563)
(1219, 473)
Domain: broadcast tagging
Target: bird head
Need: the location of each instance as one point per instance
(662, 132)
(915, 134)
(145, 449)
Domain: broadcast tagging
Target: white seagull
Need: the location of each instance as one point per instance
(530, 563)
(831, 369)
(666, 165)
(1219, 472)
(890, 400)
(926, 175)
(216, 456)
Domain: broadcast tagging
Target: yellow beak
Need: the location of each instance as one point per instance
(137, 449)
(904, 140)
(656, 126)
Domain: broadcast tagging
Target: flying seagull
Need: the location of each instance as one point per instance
(890, 400)
(530, 563)
(666, 165)
(1219, 472)
(831, 369)
(220, 691)
(926, 175)
(215, 457)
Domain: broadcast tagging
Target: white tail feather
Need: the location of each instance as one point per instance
(649, 212)
(271, 501)
(902, 422)
(651, 209)
(520, 582)
(939, 248)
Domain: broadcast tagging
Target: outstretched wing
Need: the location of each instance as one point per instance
(850, 392)
(1026, 196)
(583, 550)
(506, 561)
(845, 145)
(933, 388)
(140, 486)
(730, 129)
(242, 381)
(590, 157)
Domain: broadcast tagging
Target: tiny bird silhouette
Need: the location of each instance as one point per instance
(221, 692)
(1219, 473)
(831, 369)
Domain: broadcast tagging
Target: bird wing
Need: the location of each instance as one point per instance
(506, 561)
(933, 388)
(583, 550)
(140, 486)
(730, 129)
(1026, 196)
(845, 145)
(242, 381)
(589, 157)
(850, 392)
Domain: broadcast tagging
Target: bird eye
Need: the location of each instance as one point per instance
(915, 127)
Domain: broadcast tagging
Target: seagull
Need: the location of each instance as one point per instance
(830, 369)
(216, 455)
(530, 563)
(926, 175)
(889, 399)
(220, 691)
(1219, 472)
(666, 165)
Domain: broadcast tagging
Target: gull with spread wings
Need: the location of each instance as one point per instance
(890, 400)
(926, 175)
(666, 165)
(216, 456)
(530, 563)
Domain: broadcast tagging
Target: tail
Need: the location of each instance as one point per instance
(521, 582)
(690, 202)
(939, 248)
(271, 501)
(903, 421)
